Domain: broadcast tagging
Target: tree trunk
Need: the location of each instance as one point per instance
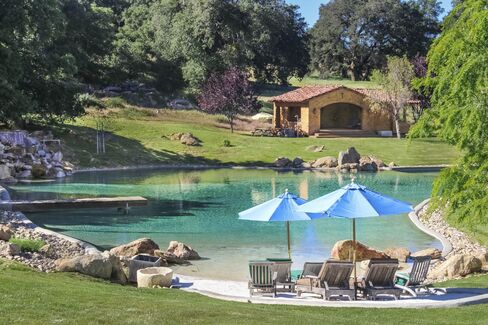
(353, 72)
(397, 127)
(231, 120)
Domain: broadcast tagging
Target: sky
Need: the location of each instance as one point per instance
(310, 8)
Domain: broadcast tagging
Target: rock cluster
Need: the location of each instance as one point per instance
(134, 92)
(466, 256)
(349, 160)
(25, 156)
(284, 162)
(185, 138)
(43, 260)
(176, 253)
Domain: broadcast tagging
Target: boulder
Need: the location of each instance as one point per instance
(182, 251)
(350, 156)
(60, 174)
(39, 171)
(343, 250)
(9, 249)
(315, 148)
(5, 232)
(48, 250)
(169, 258)
(139, 246)
(5, 172)
(392, 164)
(400, 253)
(297, 162)
(484, 261)
(377, 161)
(325, 162)
(25, 174)
(4, 195)
(366, 164)
(57, 156)
(281, 162)
(154, 277)
(348, 167)
(457, 265)
(189, 140)
(118, 274)
(95, 265)
(433, 252)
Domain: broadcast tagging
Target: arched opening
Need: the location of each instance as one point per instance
(340, 116)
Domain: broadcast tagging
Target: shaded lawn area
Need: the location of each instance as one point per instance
(139, 139)
(30, 297)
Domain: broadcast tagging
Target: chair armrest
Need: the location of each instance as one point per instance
(310, 277)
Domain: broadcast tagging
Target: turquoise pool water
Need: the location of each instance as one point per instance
(200, 208)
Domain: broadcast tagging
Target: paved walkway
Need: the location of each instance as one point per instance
(237, 291)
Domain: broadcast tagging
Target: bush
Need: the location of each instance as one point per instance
(227, 143)
(87, 100)
(115, 102)
(28, 245)
(38, 171)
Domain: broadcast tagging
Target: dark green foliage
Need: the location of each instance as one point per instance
(28, 245)
(458, 77)
(227, 143)
(37, 75)
(170, 41)
(353, 37)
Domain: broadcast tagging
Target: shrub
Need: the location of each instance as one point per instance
(28, 245)
(227, 143)
(115, 102)
(87, 100)
(38, 171)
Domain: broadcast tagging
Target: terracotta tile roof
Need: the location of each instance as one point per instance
(304, 94)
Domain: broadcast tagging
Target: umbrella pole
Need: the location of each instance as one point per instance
(354, 248)
(288, 237)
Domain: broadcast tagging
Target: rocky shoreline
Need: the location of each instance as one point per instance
(44, 260)
(465, 256)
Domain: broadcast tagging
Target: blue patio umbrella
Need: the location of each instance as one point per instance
(281, 209)
(355, 201)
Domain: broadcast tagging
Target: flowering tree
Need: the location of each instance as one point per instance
(229, 93)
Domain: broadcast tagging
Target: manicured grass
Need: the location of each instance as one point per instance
(27, 245)
(139, 138)
(30, 297)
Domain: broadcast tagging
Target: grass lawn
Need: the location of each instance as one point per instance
(30, 297)
(314, 80)
(138, 138)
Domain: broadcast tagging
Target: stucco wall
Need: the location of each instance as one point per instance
(371, 120)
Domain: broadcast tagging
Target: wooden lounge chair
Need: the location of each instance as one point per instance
(270, 277)
(261, 278)
(414, 281)
(282, 276)
(380, 279)
(332, 281)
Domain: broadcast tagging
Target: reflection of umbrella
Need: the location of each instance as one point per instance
(355, 201)
(281, 208)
